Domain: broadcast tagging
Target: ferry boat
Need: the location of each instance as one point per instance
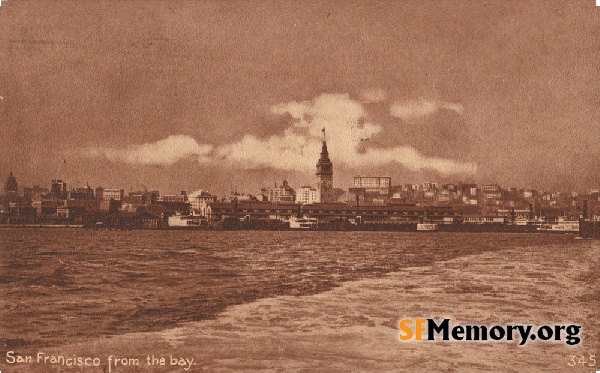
(562, 226)
(427, 227)
(521, 221)
(179, 221)
(303, 223)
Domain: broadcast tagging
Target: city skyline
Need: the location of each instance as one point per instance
(217, 96)
(424, 185)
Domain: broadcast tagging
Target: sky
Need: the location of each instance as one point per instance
(225, 95)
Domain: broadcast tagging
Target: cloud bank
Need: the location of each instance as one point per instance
(347, 130)
(162, 152)
(413, 109)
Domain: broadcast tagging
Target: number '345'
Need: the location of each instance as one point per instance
(582, 360)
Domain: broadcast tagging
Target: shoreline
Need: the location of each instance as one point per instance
(458, 229)
(353, 327)
(7, 226)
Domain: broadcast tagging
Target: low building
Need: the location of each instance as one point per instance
(283, 193)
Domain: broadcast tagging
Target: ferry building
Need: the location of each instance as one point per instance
(325, 192)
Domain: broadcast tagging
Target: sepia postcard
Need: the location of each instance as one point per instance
(299, 186)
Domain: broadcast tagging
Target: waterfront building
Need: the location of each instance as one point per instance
(84, 193)
(283, 193)
(374, 190)
(109, 199)
(36, 203)
(306, 195)
(328, 212)
(324, 175)
(142, 198)
(530, 193)
(77, 203)
(14, 207)
(429, 186)
(373, 214)
(373, 184)
(59, 188)
(174, 203)
(12, 204)
(236, 196)
(172, 198)
(50, 203)
(115, 194)
(339, 195)
(469, 194)
(444, 196)
(429, 194)
(491, 197)
(199, 199)
(34, 192)
(251, 211)
(138, 199)
(56, 198)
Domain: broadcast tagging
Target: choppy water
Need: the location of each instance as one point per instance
(66, 285)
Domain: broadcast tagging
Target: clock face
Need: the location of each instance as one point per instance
(326, 184)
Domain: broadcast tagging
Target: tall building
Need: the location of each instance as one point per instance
(325, 175)
(59, 189)
(199, 199)
(11, 188)
(306, 195)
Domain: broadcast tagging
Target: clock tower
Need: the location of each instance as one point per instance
(324, 175)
